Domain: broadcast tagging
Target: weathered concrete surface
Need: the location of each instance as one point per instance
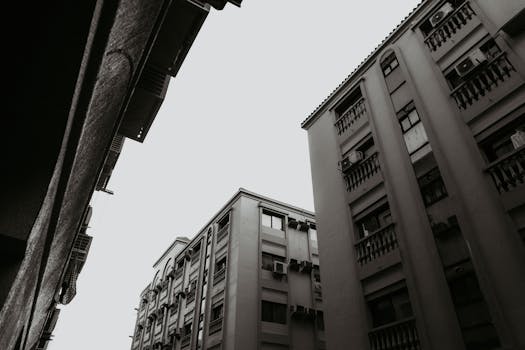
(91, 126)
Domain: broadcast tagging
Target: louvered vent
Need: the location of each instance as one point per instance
(152, 80)
(117, 143)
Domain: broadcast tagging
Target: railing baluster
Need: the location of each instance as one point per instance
(350, 116)
(376, 244)
(401, 335)
(449, 27)
(509, 172)
(486, 79)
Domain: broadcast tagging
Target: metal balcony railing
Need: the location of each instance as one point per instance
(219, 275)
(361, 172)
(449, 27)
(401, 335)
(350, 116)
(509, 171)
(376, 244)
(484, 80)
(215, 326)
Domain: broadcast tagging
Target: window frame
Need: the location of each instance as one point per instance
(278, 312)
(387, 61)
(272, 216)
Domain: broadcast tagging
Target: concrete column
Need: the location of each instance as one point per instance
(345, 311)
(497, 252)
(436, 319)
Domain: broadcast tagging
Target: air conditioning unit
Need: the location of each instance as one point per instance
(306, 266)
(303, 226)
(467, 65)
(310, 313)
(297, 309)
(441, 14)
(279, 268)
(355, 156)
(294, 264)
(292, 223)
(518, 139)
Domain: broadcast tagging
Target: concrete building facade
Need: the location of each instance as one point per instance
(248, 280)
(418, 166)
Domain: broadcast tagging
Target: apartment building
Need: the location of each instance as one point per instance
(248, 280)
(418, 166)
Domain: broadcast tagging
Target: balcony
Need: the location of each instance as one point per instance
(223, 232)
(190, 296)
(215, 326)
(376, 244)
(185, 340)
(401, 335)
(178, 273)
(350, 118)
(486, 84)
(508, 172)
(363, 173)
(451, 30)
(219, 276)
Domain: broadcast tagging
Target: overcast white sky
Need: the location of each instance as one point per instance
(231, 119)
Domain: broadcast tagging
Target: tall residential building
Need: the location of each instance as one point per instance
(248, 280)
(418, 165)
(82, 77)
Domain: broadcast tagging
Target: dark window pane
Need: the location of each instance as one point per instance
(273, 312)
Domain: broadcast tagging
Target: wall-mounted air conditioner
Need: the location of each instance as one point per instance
(292, 223)
(294, 264)
(279, 268)
(467, 65)
(438, 16)
(306, 266)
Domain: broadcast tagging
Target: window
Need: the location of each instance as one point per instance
(196, 252)
(317, 274)
(413, 131)
(319, 320)
(217, 312)
(174, 308)
(389, 64)
(313, 232)
(273, 312)
(473, 314)
(220, 264)
(432, 187)
(224, 221)
(372, 222)
(187, 328)
(268, 260)
(390, 308)
(159, 319)
(272, 220)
